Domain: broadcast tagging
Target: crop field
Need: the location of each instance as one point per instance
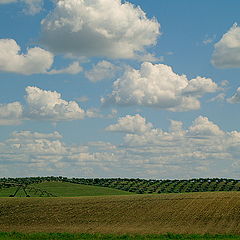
(188, 213)
(83, 236)
(65, 189)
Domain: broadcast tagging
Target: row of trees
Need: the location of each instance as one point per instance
(165, 186)
(142, 186)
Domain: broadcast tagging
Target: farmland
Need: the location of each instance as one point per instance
(139, 186)
(85, 236)
(64, 189)
(94, 208)
(188, 213)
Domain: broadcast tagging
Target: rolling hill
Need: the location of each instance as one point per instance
(198, 213)
(63, 189)
(139, 186)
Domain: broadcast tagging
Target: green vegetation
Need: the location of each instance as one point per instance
(62, 189)
(66, 189)
(139, 186)
(67, 236)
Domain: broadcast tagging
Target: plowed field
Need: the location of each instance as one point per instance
(199, 213)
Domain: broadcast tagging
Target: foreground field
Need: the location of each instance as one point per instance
(65, 189)
(195, 213)
(67, 236)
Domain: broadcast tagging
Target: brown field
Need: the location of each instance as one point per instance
(215, 213)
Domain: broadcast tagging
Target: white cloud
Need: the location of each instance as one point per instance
(156, 85)
(102, 70)
(176, 127)
(203, 127)
(73, 68)
(235, 98)
(104, 28)
(33, 6)
(199, 86)
(35, 144)
(227, 51)
(201, 150)
(44, 104)
(219, 98)
(36, 60)
(11, 113)
(130, 124)
(36, 135)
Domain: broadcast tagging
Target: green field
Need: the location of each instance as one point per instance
(67, 236)
(64, 189)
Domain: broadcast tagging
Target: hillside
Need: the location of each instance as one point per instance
(216, 213)
(63, 189)
(141, 186)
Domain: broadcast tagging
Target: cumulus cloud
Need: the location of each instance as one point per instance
(203, 127)
(130, 124)
(73, 68)
(176, 127)
(227, 51)
(201, 150)
(102, 70)
(34, 144)
(27, 151)
(156, 85)
(235, 98)
(44, 104)
(11, 113)
(103, 28)
(36, 60)
(41, 105)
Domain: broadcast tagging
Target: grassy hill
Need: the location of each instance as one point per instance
(198, 213)
(64, 189)
(140, 186)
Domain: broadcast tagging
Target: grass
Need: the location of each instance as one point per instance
(193, 213)
(67, 236)
(64, 189)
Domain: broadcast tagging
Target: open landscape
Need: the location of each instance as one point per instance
(198, 213)
(119, 119)
(80, 208)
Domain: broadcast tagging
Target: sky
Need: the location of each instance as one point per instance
(110, 88)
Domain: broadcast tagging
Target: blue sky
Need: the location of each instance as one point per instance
(107, 88)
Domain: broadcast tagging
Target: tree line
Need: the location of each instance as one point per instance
(140, 186)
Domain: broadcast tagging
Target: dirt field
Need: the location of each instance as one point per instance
(215, 213)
